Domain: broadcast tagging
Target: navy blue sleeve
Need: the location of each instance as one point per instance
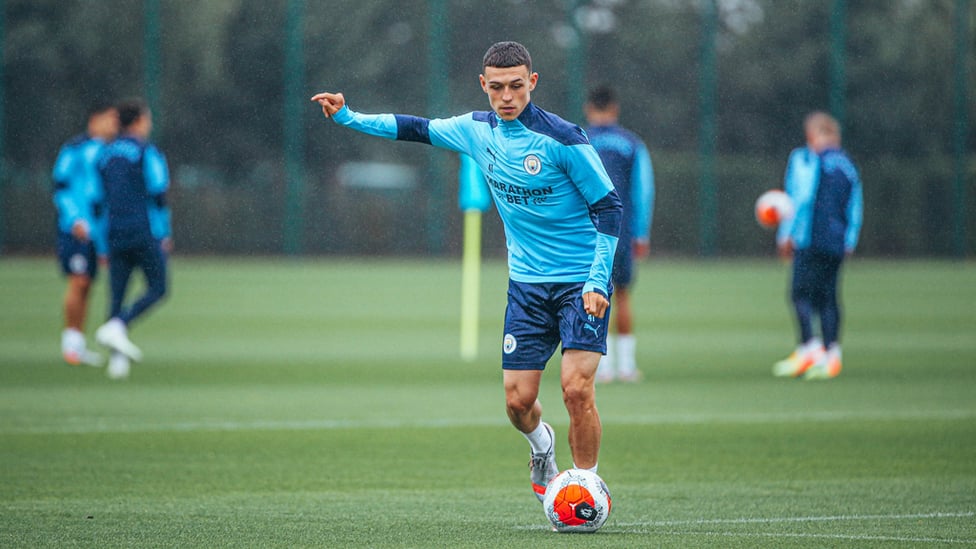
(412, 128)
(607, 214)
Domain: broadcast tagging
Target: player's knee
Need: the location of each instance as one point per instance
(158, 291)
(519, 404)
(79, 283)
(578, 393)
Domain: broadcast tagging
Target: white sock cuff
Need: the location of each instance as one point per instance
(815, 344)
(539, 439)
(72, 339)
(590, 469)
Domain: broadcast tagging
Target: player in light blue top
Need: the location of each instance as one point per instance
(81, 233)
(562, 220)
(628, 163)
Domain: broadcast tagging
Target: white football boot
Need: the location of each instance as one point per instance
(118, 366)
(542, 467)
(114, 335)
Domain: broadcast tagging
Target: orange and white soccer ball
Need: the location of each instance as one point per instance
(577, 500)
(773, 207)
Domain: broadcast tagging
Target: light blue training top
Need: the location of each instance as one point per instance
(560, 210)
(77, 188)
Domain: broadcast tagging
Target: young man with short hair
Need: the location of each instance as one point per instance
(135, 178)
(628, 163)
(826, 192)
(78, 199)
(562, 219)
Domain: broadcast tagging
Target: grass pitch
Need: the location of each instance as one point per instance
(323, 404)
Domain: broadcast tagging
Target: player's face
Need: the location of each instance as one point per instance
(508, 89)
(816, 140)
(143, 125)
(104, 125)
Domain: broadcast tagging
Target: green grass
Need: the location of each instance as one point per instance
(322, 404)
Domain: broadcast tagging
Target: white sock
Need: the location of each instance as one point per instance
(119, 325)
(606, 368)
(626, 354)
(834, 350)
(72, 340)
(812, 346)
(539, 439)
(590, 469)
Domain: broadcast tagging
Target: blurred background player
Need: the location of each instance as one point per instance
(135, 179)
(562, 219)
(628, 163)
(81, 239)
(826, 192)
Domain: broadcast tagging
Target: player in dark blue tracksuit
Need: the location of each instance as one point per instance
(826, 191)
(628, 164)
(135, 179)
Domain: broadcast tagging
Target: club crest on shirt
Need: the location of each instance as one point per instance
(532, 164)
(509, 344)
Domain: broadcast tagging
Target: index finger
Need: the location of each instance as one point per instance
(326, 97)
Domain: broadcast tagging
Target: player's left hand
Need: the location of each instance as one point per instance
(594, 303)
(641, 248)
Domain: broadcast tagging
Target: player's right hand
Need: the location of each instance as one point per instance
(785, 248)
(80, 230)
(331, 102)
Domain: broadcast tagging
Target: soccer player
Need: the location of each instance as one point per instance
(628, 163)
(562, 219)
(78, 197)
(826, 192)
(135, 179)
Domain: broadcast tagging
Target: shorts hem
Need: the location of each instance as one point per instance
(524, 366)
(592, 348)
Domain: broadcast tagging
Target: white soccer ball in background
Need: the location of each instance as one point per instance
(577, 500)
(773, 207)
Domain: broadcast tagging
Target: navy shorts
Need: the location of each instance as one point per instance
(541, 316)
(76, 257)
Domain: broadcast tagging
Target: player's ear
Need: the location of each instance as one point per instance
(484, 83)
(533, 80)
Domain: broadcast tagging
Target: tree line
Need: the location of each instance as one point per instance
(221, 113)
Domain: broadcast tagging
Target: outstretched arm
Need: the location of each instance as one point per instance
(450, 133)
(380, 125)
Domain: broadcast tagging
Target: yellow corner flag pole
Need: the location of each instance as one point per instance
(473, 198)
(470, 284)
